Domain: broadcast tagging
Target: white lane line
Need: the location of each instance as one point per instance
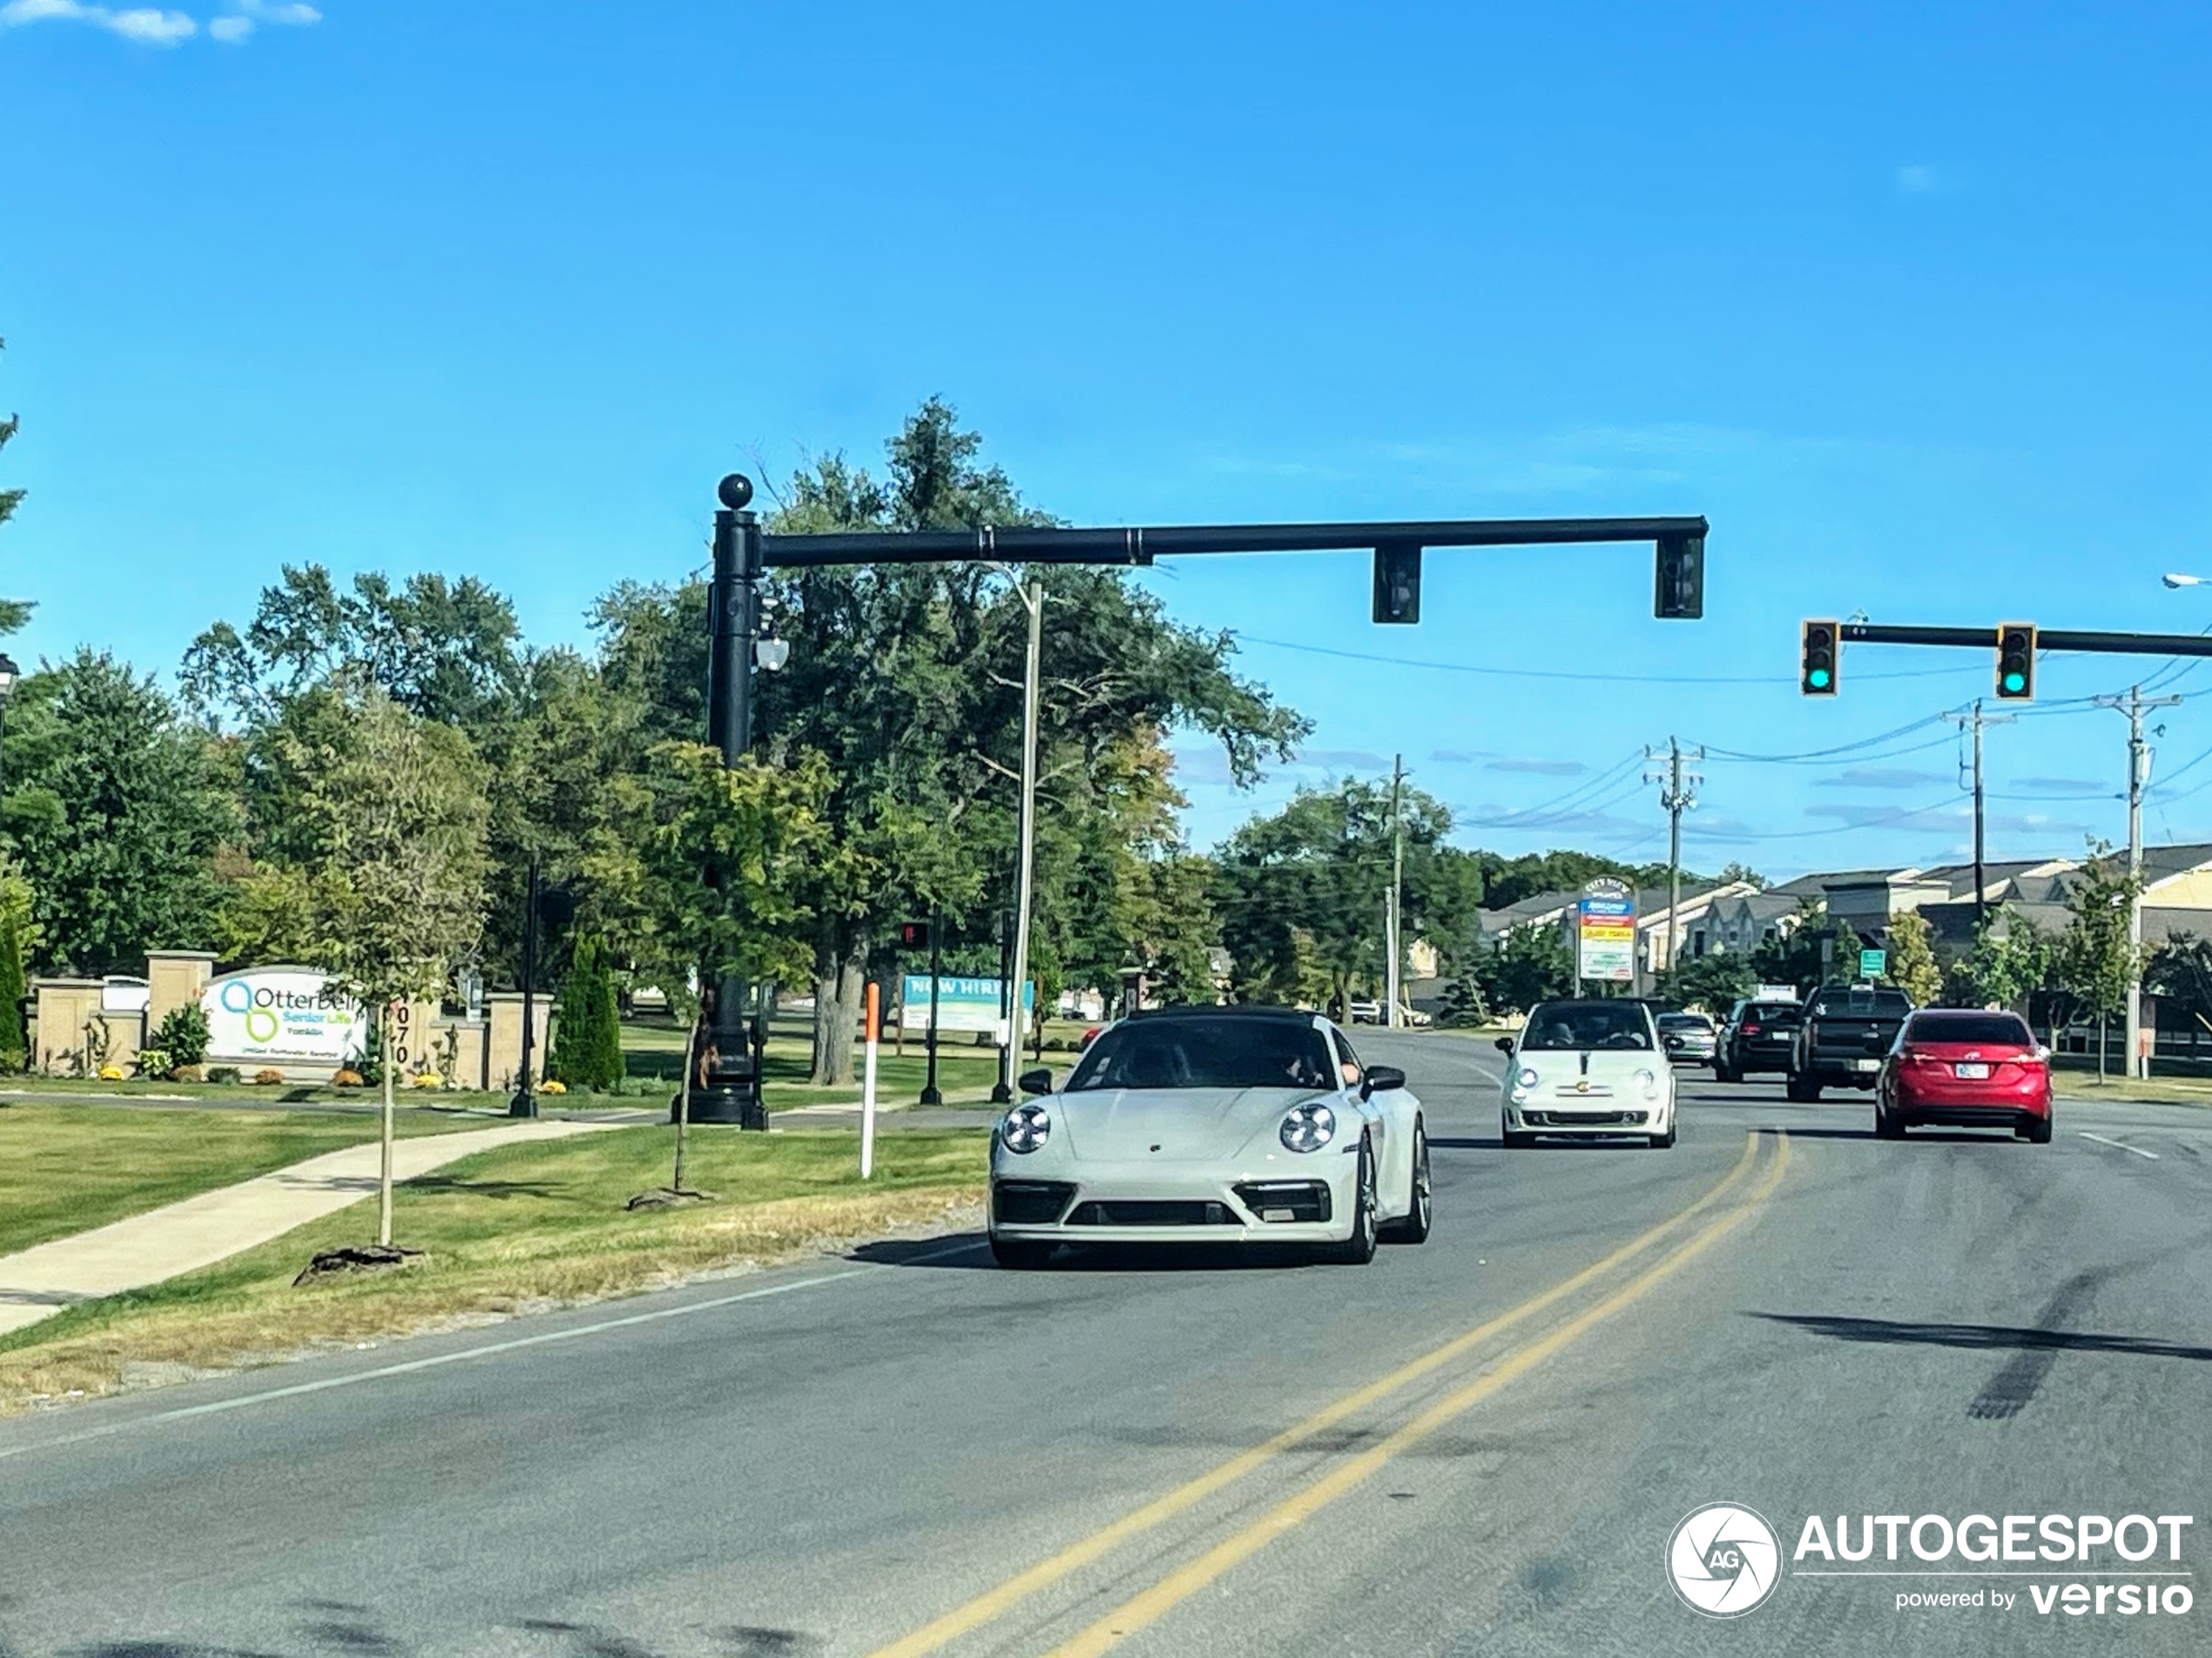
(2119, 1145)
(488, 1350)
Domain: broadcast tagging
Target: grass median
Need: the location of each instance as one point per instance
(520, 1229)
(67, 1169)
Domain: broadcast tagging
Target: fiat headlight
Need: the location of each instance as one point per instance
(1026, 1128)
(1309, 1127)
(1650, 1083)
(1524, 1079)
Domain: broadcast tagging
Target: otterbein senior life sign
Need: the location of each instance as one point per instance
(282, 1016)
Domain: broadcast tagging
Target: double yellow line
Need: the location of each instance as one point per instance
(1143, 1608)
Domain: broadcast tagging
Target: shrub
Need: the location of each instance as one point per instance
(185, 1074)
(182, 1035)
(552, 1085)
(111, 1072)
(347, 1079)
(425, 1080)
(152, 1061)
(14, 1041)
(267, 1078)
(587, 1036)
(222, 1074)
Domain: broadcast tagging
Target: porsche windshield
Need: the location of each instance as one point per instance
(1201, 1053)
(1561, 1027)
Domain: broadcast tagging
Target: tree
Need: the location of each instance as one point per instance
(2180, 970)
(1812, 949)
(1714, 982)
(116, 811)
(2097, 962)
(907, 680)
(1744, 873)
(391, 838)
(1530, 964)
(2010, 957)
(587, 1042)
(1913, 965)
(15, 1041)
(1321, 867)
(15, 614)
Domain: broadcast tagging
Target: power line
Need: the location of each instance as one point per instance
(1552, 673)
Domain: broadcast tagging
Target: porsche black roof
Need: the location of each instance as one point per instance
(1232, 1010)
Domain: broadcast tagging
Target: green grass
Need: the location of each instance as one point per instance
(523, 1226)
(67, 1169)
(217, 1093)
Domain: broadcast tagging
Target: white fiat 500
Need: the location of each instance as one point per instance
(1582, 1068)
(1212, 1125)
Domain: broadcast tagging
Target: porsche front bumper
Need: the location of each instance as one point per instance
(1308, 1201)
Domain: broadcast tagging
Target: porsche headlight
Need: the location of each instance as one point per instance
(1309, 1127)
(1650, 1083)
(1026, 1128)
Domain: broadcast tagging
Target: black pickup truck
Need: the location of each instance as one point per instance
(1847, 1028)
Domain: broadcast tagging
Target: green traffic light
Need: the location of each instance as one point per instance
(1818, 679)
(2015, 681)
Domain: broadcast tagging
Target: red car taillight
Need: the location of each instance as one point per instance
(1747, 1030)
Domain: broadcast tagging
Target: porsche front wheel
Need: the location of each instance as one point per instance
(1359, 1248)
(1412, 1226)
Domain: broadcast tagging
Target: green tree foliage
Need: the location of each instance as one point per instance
(1913, 965)
(1321, 868)
(1714, 982)
(2010, 956)
(2181, 971)
(587, 1039)
(2096, 961)
(908, 680)
(1794, 955)
(14, 613)
(1529, 965)
(15, 1041)
(115, 813)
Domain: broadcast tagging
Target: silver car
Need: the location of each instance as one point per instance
(1212, 1125)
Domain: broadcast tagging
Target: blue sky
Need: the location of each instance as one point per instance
(1908, 299)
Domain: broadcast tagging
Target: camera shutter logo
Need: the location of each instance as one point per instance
(1723, 1559)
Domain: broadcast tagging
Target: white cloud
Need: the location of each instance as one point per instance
(157, 25)
(147, 24)
(1917, 180)
(1542, 768)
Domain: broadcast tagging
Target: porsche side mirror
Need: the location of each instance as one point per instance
(1504, 1044)
(1380, 1077)
(1035, 1081)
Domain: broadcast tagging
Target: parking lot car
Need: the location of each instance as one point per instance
(1965, 1069)
(1585, 1068)
(1212, 1125)
(1846, 1030)
(1688, 1038)
(1756, 1037)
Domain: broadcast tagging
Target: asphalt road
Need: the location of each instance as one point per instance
(911, 1452)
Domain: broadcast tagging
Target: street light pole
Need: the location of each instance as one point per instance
(2138, 773)
(1396, 918)
(524, 1104)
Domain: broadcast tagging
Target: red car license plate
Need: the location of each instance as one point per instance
(1971, 1070)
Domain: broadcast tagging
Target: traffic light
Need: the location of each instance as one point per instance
(2016, 659)
(1823, 644)
(1398, 582)
(1679, 592)
(913, 935)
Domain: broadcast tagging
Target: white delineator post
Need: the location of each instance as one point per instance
(868, 1080)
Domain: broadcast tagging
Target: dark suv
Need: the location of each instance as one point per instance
(1758, 1036)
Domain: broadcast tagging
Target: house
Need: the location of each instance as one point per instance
(1692, 934)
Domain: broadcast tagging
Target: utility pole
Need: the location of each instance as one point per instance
(1395, 919)
(1677, 794)
(2138, 775)
(1974, 722)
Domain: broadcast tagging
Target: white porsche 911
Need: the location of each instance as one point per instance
(1583, 1068)
(1211, 1125)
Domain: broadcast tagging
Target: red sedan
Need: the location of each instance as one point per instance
(1966, 1069)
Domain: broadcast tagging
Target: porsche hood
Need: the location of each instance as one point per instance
(1173, 1125)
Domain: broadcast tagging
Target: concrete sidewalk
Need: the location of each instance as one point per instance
(212, 1226)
